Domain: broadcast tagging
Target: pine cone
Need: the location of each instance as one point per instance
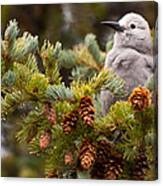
(86, 110)
(140, 98)
(103, 154)
(45, 139)
(87, 155)
(108, 164)
(114, 167)
(70, 121)
(50, 113)
(140, 167)
(68, 159)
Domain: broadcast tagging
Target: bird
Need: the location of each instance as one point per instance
(131, 56)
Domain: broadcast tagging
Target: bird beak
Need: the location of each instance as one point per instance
(113, 24)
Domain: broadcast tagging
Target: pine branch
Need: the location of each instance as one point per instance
(30, 126)
(108, 80)
(10, 37)
(50, 56)
(85, 58)
(8, 80)
(23, 74)
(12, 31)
(50, 53)
(37, 86)
(120, 116)
(23, 46)
(29, 79)
(59, 92)
(93, 47)
(103, 80)
(115, 84)
(12, 101)
(31, 64)
(120, 124)
(67, 59)
(82, 73)
(100, 80)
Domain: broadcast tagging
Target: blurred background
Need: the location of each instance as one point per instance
(67, 23)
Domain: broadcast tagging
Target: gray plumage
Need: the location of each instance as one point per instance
(131, 56)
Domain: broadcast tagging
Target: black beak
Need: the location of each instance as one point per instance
(113, 24)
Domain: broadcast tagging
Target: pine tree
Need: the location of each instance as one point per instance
(56, 120)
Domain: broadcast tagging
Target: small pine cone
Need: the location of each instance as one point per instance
(45, 140)
(103, 154)
(50, 113)
(103, 151)
(140, 98)
(140, 167)
(87, 155)
(108, 164)
(114, 167)
(68, 159)
(70, 121)
(87, 110)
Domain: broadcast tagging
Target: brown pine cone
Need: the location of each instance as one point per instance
(68, 159)
(50, 113)
(114, 167)
(140, 98)
(70, 121)
(108, 164)
(45, 140)
(87, 155)
(103, 153)
(87, 110)
(140, 166)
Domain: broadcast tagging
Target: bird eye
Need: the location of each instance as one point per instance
(133, 26)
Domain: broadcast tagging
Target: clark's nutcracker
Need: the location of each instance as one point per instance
(131, 56)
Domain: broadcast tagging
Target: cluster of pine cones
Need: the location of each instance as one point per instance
(85, 111)
(109, 164)
(105, 162)
(102, 159)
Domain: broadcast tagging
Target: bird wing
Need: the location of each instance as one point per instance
(105, 96)
(131, 66)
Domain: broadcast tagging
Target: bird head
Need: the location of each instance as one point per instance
(132, 31)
